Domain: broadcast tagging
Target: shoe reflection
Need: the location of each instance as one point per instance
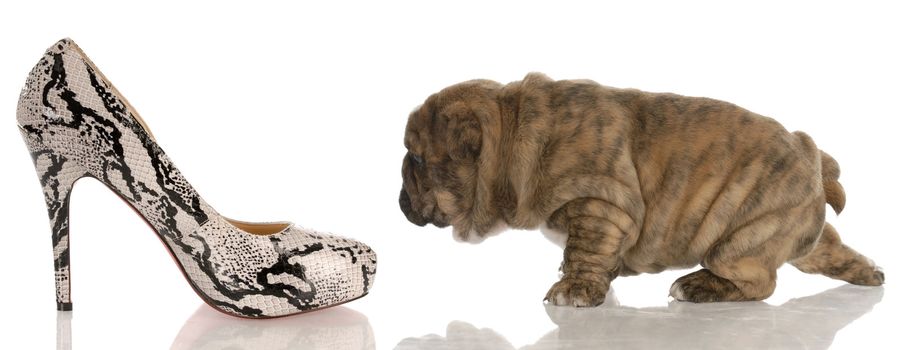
(810, 322)
(333, 328)
(63, 330)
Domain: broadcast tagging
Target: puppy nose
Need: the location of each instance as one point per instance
(404, 201)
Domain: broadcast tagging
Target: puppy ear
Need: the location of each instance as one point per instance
(464, 138)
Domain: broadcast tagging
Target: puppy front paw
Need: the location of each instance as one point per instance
(577, 292)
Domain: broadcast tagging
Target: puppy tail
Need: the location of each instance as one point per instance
(830, 172)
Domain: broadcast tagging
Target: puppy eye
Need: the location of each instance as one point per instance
(417, 160)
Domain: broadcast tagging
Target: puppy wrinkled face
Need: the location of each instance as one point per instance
(443, 141)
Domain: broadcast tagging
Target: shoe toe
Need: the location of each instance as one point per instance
(336, 269)
(295, 270)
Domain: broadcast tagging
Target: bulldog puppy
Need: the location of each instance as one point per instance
(635, 182)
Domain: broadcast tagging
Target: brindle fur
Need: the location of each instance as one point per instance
(639, 181)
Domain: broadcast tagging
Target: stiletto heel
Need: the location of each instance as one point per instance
(76, 124)
(57, 176)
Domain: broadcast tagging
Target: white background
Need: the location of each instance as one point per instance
(297, 112)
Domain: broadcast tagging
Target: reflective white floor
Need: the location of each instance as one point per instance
(804, 323)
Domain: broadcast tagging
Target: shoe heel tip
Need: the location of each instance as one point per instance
(64, 306)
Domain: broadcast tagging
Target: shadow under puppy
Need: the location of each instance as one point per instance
(635, 182)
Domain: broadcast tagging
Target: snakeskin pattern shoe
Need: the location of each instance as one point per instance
(76, 124)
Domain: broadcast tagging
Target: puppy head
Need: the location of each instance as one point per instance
(444, 139)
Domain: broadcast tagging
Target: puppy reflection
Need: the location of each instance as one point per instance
(803, 323)
(755, 325)
(459, 336)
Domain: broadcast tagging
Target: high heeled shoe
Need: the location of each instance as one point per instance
(76, 124)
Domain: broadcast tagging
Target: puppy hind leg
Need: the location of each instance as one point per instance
(745, 279)
(832, 258)
(742, 266)
(704, 286)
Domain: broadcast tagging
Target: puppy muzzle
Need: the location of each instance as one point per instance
(404, 201)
